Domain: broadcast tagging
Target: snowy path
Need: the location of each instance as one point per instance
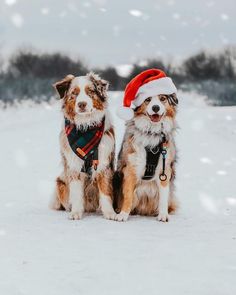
(42, 252)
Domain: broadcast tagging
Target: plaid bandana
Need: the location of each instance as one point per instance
(84, 143)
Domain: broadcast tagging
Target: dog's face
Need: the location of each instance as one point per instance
(154, 111)
(84, 98)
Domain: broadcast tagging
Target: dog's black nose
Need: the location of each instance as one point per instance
(155, 108)
(82, 105)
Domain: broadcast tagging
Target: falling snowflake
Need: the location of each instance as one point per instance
(209, 203)
(10, 2)
(206, 160)
(17, 20)
(171, 3)
(45, 10)
(84, 32)
(221, 172)
(2, 232)
(116, 30)
(87, 4)
(224, 16)
(102, 9)
(62, 14)
(163, 38)
(124, 70)
(135, 12)
(176, 16)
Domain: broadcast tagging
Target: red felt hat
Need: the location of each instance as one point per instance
(148, 83)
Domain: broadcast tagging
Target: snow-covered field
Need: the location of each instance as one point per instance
(42, 252)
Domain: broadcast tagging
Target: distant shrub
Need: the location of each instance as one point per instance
(36, 89)
(204, 66)
(55, 65)
(220, 93)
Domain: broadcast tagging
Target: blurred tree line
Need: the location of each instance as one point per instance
(29, 75)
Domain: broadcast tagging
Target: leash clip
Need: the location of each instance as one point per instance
(163, 176)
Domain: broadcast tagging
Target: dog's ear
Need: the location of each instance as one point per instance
(63, 85)
(100, 85)
(174, 99)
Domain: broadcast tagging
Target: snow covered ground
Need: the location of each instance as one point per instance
(42, 252)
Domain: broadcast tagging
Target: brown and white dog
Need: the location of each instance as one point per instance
(84, 105)
(154, 116)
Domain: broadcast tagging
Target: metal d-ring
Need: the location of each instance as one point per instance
(163, 177)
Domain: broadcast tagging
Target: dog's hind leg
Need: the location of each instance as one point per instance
(60, 198)
(54, 203)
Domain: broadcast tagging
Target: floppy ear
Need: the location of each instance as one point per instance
(174, 99)
(63, 85)
(100, 85)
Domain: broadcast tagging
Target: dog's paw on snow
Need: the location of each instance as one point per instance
(111, 215)
(75, 215)
(164, 217)
(122, 216)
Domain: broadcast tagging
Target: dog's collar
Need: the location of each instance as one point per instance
(84, 143)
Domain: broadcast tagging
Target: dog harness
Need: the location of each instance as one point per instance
(152, 158)
(84, 143)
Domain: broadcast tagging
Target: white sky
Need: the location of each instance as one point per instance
(106, 32)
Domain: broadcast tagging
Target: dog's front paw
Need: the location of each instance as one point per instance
(75, 215)
(122, 216)
(111, 215)
(164, 217)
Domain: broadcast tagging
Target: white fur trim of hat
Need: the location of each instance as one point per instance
(160, 86)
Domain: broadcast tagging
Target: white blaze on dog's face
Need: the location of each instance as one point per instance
(79, 90)
(84, 98)
(155, 109)
(155, 112)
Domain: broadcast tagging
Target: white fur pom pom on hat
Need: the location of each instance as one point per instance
(125, 113)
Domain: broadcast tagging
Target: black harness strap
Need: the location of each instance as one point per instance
(90, 162)
(152, 159)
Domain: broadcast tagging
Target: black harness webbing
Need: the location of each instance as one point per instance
(89, 163)
(152, 159)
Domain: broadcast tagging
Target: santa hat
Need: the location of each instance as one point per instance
(148, 83)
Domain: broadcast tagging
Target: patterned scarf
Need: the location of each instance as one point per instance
(84, 143)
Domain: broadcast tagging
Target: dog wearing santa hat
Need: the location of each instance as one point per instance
(144, 181)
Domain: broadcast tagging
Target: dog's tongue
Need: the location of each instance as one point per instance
(155, 118)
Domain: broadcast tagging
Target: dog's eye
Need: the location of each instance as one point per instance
(148, 99)
(73, 95)
(163, 98)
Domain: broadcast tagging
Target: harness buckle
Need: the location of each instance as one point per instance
(152, 150)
